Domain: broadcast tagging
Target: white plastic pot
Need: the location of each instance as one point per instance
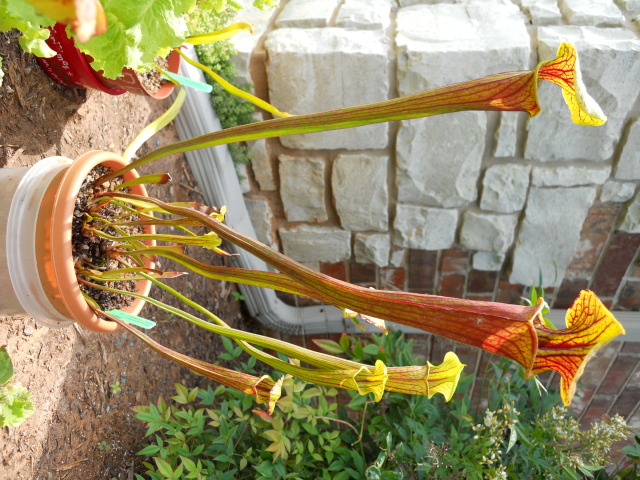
(21, 193)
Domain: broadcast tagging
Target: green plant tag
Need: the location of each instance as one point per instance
(133, 319)
(6, 367)
(187, 82)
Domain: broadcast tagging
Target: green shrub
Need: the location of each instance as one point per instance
(523, 432)
(224, 437)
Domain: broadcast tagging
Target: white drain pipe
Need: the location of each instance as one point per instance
(216, 176)
(217, 179)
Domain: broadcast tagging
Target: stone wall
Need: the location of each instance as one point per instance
(473, 204)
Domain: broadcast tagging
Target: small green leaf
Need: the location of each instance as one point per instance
(163, 467)
(177, 474)
(344, 475)
(328, 346)
(228, 344)
(357, 401)
(371, 349)
(149, 450)
(513, 437)
(358, 351)
(189, 464)
(182, 394)
(6, 367)
(344, 342)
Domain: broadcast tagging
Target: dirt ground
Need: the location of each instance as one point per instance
(84, 429)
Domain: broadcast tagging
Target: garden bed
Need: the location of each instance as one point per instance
(83, 384)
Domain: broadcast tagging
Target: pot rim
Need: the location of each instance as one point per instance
(60, 238)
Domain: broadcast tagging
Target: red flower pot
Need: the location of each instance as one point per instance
(71, 68)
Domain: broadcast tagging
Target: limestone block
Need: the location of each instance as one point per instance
(610, 65)
(597, 13)
(488, 261)
(244, 43)
(542, 12)
(306, 13)
(424, 228)
(365, 14)
(372, 248)
(439, 159)
(448, 43)
(506, 135)
(261, 165)
(628, 167)
(487, 231)
(569, 176)
(307, 243)
(613, 191)
(360, 192)
(631, 220)
(631, 6)
(408, 3)
(312, 70)
(302, 188)
(261, 217)
(549, 233)
(396, 257)
(504, 187)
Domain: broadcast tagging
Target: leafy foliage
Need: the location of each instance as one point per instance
(522, 432)
(15, 403)
(19, 14)
(630, 466)
(134, 38)
(225, 439)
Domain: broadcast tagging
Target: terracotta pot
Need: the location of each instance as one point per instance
(130, 80)
(36, 264)
(71, 68)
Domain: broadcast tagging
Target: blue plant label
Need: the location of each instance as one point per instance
(133, 319)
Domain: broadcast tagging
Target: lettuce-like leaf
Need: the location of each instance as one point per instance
(138, 32)
(22, 16)
(15, 405)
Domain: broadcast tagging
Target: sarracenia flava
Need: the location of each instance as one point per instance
(513, 331)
